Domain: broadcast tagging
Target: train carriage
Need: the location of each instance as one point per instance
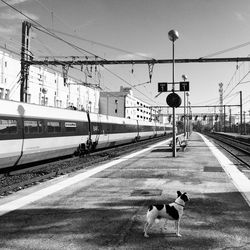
(30, 132)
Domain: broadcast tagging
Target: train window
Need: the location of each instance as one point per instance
(54, 127)
(40, 127)
(70, 126)
(32, 127)
(8, 126)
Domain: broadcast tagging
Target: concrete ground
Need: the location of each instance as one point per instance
(107, 210)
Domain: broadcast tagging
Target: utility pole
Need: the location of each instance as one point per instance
(245, 128)
(241, 112)
(173, 36)
(230, 119)
(224, 108)
(221, 103)
(24, 58)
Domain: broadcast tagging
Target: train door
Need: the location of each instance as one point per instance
(96, 130)
(97, 134)
(104, 131)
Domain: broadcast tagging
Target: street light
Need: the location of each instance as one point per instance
(184, 77)
(187, 114)
(173, 36)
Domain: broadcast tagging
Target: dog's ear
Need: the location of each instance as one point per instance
(184, 197)
(179, 193)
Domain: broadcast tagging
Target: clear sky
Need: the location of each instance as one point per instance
(139, 30)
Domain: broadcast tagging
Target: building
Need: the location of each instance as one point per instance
(45, 86)
(124, 104)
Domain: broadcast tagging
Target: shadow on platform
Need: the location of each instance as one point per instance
(210, 220)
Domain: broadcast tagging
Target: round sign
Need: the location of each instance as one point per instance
(173, 100)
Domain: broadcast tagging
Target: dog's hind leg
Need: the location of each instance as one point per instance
(177, 224)
(145, 229)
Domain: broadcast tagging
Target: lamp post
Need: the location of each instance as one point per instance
(187, 114)
(190, 115)
(173, 36)
(184, 77)
(241, 112)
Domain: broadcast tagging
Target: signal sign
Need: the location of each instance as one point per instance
(184, 86)
(162, 87)
(173, 100)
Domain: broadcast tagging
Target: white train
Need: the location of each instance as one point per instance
(30, 133)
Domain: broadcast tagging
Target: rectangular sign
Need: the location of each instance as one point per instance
(162, 87)
(184, 86)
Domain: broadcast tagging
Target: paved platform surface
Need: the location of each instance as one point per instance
(107, 209)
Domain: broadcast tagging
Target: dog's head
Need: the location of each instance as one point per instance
(183, 196)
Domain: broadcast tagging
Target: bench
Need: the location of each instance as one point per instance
(183, 144)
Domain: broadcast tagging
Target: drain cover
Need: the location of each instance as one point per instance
(146, 192)
(213, 169)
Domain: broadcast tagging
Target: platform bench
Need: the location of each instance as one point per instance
(183, 144)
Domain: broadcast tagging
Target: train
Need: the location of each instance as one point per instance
(30, 133)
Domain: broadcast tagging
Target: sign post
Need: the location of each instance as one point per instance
(173, 36)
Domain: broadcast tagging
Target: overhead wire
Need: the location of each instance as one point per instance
(227, 50)
(237, 84)
(102, 44)
(38, 26)
(232, 97)
(127, 83)
(45, 30)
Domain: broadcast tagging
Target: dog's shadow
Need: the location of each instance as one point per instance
(162, 234)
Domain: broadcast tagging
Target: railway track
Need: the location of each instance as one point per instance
(240, 150)
(17, 179)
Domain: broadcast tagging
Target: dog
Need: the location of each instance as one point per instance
(172, 211)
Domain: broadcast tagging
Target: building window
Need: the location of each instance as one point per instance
(5, 63)
(7, 94)
(28, 98)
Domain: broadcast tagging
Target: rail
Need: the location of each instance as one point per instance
(233, 147)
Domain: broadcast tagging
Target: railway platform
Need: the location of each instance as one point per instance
(104, 206)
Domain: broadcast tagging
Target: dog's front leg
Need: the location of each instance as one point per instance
(165, 225)
(177, 224)
(146, 227)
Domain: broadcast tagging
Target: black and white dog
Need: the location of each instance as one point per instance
(173, 211)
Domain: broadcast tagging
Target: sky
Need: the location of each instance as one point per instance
(138, 29)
